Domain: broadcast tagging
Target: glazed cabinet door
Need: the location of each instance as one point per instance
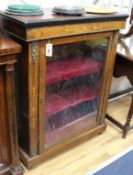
(73, 81)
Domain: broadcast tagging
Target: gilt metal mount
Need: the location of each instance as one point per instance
(34, 51)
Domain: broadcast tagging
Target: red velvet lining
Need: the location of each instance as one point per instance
(63, 118)
(56, 102)
(67, 68)
(57, 134)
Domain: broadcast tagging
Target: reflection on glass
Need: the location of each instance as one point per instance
(73, 77)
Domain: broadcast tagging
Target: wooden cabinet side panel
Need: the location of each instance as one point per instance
(21, 79)
(26, 79)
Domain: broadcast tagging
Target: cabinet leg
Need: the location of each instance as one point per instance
(126, 127)
(17, 170)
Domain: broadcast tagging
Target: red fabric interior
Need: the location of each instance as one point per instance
(67, 98)
(57, 134)
(67, 68)
(65, 117)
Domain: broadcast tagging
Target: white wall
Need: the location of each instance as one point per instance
(45, 3)
(48, 3)
(3, 4)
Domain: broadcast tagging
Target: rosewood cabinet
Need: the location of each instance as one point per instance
(64, 78)
(9, 157)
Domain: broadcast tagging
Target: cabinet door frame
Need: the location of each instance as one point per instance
(107, 74)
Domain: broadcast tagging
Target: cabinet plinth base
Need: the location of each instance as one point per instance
(4, 169)
(31, 162)
(16, 170)
(9, 170)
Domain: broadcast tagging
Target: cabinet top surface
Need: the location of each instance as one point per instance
(8, 46)
(49, 18)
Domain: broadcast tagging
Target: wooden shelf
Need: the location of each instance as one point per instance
(70, 115)
(58, 134)
(66, 68)
(56, 102)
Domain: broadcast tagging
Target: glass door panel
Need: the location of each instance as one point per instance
(73, 81)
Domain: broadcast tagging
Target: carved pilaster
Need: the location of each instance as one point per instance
(11, 111)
